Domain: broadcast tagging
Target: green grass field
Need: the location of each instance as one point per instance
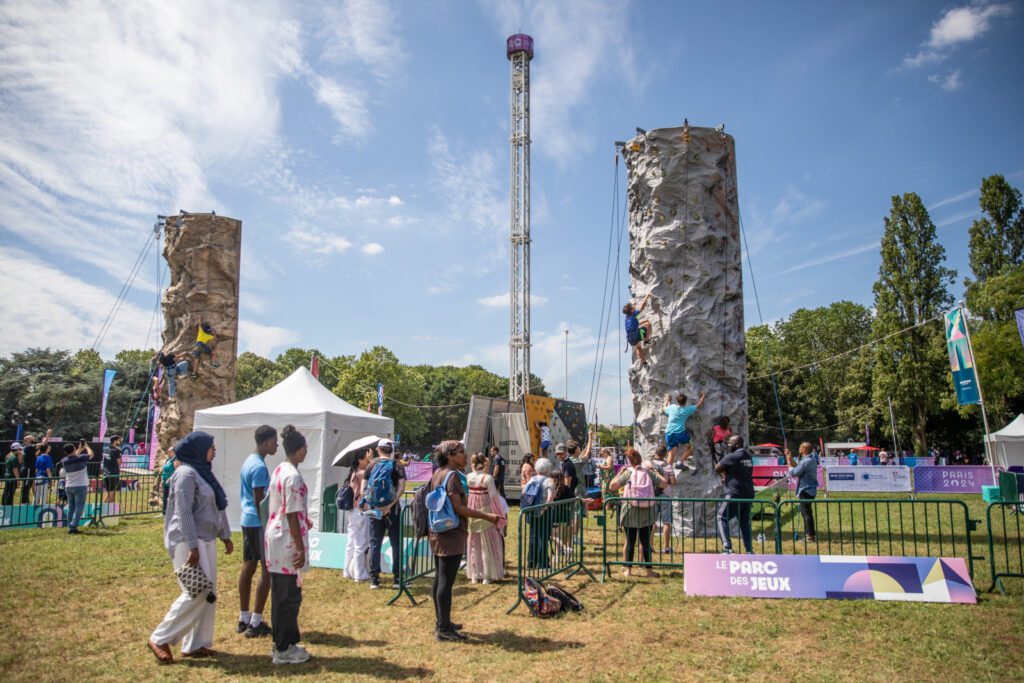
(81, 608)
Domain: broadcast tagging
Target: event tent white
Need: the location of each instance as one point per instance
(1008, 444)
(327, 422)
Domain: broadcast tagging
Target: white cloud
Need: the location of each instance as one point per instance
(317, 242)
(395, 201)
(364, 31)
(578, 43)
(962, 216)
(956, 26)
(951, 81)
(793, 208)
(264, 340)
(54, 308)
(372, 248)
(346, 104)
(969, 194)
(99, 123)
(962, 24)
(502, 300)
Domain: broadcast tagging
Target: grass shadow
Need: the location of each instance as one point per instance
(627, 589)
(338, 640)
(514, 642)
(260, 666)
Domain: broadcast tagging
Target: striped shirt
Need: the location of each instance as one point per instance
(192, 513)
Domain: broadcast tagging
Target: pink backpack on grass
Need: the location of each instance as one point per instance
(640, 485)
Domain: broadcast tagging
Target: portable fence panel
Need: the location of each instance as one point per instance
(551, 542)
(1005, 542)
(879, 527)
(417, 559)
(45, 502)
(670, 541)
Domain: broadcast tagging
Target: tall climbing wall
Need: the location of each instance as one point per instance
(203, 252)
(684, 237)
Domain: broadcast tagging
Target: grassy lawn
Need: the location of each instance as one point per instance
(81, 608)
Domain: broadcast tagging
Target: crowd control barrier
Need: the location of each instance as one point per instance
(550, 543)
(42, 502)
(694, 529)
(908, 528)
(417, 560)
(1005, 542)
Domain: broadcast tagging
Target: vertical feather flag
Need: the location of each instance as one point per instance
(314, 366)
(108, 379)
(380, 399)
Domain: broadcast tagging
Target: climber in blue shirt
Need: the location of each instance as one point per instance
(638, 332)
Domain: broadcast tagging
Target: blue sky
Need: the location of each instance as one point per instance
(364, 146)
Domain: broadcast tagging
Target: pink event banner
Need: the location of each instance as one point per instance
(418, 471)
(841, 577)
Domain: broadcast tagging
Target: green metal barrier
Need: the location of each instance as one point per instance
(44, 506)
(329, 509)
(137, 494)
(878, 526)
(417, 560)
(550, 543)
(693, 529)
(1009, 562)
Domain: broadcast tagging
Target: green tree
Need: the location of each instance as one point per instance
(614, 435)
(255, 374)
(999, 356)
(997, 241)
(912, 288)
(403, 389)
(292, 359)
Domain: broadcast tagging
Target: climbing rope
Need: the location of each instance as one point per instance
(757, 300)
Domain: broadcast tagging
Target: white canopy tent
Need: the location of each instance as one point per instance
(1008, 444)
(327, 422)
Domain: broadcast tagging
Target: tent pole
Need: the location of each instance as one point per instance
(981, 395)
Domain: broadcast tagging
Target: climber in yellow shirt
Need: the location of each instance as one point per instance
(206, 341)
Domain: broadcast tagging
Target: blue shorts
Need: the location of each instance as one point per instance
(673, 439)
(545, 444)
(664, 511)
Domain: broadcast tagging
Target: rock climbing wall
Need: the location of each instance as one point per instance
(203, 252)
(684, 236)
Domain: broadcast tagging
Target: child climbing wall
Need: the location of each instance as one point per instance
(684, 237)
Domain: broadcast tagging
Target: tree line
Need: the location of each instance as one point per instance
(902, 354)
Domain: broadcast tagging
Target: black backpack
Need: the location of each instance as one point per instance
(420, 520)
(346, 499)
(568, 600)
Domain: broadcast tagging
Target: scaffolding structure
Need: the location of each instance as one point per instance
(519, 50)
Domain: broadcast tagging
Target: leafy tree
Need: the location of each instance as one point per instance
(999, 356)
(403, 389)
(997, 241)
(255, 374)
(912, 288)
(614, 435)
(294, 358)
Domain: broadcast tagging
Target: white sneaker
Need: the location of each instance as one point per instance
(293, 655)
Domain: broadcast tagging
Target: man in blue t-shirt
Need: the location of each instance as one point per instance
(255, 479)
(676, 433)
(44, 472)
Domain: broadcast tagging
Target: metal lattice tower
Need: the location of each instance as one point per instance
(519, 50)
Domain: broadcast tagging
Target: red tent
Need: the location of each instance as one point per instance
(867, 448)
(767, 445)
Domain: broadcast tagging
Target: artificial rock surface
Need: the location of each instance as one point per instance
(203, 253)
(684, 236)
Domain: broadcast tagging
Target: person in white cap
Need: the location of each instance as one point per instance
(385, 520)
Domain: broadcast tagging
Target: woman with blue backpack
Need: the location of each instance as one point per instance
(447, 513)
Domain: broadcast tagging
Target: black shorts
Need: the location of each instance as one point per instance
(111, 482)
(252, 543)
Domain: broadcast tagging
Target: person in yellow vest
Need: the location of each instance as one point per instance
(206, 341)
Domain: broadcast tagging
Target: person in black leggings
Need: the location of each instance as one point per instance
(449, 547)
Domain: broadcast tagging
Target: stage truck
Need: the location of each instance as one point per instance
(512, 426)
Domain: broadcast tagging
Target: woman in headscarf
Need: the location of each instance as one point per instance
(195, 519)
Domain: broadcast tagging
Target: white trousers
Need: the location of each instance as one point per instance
(357, 546)
(190, 621)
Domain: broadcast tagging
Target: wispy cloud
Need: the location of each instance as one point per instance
(317, 242)
(583, 41)
(832, 258)
(954, 199)
(955, 27)
(364, 31)
(962, 216)
(372, 248)
(502, 300)
(950, 81)
(793, 208)
(346, 104)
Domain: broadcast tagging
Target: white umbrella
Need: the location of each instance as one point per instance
(347, 457)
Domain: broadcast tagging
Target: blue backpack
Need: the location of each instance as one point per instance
(632, 324)
(441, 515)
(531, 495)
(380, 490)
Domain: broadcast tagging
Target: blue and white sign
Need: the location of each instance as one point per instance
(868, 479)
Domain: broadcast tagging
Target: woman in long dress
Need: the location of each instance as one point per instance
(484, 553)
